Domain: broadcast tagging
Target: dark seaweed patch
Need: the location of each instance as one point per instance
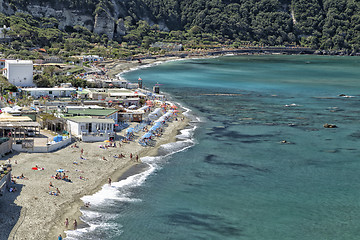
(211, 159)
(222, 132)
(205, 222)
(355, 135)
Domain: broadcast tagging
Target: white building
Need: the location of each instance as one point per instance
(19, 72)
(91, 129)
(51, 92)
(92, 58)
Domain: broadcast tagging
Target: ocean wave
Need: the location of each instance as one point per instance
(105, 227)
(121, 191)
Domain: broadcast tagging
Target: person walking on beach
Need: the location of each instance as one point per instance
(75, 224)
(109, 181)
(130, 156)
(66, 222)
(60, 237)
(82, 151)
(137, 158)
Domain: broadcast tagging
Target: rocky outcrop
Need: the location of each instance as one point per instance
(106, 19)
(104, 24)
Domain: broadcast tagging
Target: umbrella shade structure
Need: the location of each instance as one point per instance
(107, 141)
(60, 170)
(132, 107)
(156, 126)
(130, 130)
(146, 135)
(58, 138)
(161, 119)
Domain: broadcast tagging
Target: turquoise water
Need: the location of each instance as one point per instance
(234, 179)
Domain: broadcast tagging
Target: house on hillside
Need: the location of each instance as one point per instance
(19, 72)
(93, 58)
(50, 92)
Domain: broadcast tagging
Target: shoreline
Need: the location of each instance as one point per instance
(132, 169)
(38, 208)
(34, 200)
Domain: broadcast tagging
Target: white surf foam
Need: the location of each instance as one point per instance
(121, 191)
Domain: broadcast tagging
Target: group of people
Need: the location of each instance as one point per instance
(75, 224)
(119, 156)
(58, 176)
(136, 158)
(51, 192)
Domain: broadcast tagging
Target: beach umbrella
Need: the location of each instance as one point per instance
(107, 141)
(60, 170)
(132, 107)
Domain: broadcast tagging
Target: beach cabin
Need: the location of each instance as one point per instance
(19, 72)
(131, 116)
(91, 129)
(17, 126)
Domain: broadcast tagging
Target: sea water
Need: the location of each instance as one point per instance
(255, 162)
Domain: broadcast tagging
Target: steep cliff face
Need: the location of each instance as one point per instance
(66, 17)
(104, 24)
(107, 19)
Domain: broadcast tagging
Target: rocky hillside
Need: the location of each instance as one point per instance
(325, 24)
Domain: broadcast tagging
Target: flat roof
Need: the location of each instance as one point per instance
(92, 112)
(48, 89)
(6, 117)
(19, 61)
(91, 120)
(85, 107)
(19, 124)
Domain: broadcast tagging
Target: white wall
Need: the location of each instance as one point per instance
(43, 149)
(74, 128)
(52, 93)
(19, 72)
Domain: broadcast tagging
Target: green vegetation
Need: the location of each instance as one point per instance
(6, 86)
(204, 24)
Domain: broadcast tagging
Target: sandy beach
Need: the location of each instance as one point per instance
(32, 213)
(43, 215)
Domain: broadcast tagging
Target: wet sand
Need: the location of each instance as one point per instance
(42, 214)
